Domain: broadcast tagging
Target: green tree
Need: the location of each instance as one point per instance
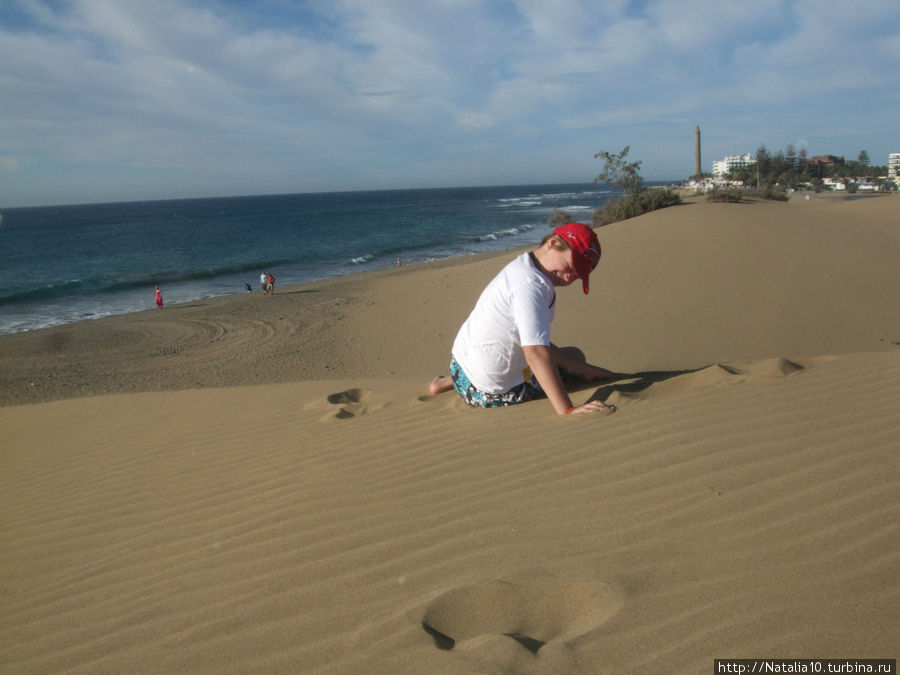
(559, 217)
(620, 172)
(763, 167)
(791, 157)
(803, 164)
(745, 174)
(617, 169)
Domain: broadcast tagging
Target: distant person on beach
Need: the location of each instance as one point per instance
(262, 282)
(159, 300)
(502, 354)
(248, 288)
(270, 283)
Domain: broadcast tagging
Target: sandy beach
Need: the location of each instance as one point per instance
(262, 484)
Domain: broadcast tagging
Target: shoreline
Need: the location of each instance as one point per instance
(202, 296)
(151, 349)
(256, 291)
(220, 253)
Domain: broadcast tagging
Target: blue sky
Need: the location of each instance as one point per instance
(110, 100)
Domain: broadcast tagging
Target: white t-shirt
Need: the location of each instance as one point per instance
(515, 310)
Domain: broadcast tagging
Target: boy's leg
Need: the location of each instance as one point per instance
(567, 358)
(572, 361)
(561, 357)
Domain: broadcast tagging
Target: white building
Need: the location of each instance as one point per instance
(894, 164)
(721, 167)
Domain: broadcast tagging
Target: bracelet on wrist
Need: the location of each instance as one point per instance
(570, 409)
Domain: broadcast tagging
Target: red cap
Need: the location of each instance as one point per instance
(585, 249)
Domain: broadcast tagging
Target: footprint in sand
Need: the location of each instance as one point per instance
(352, 402)
(502, 621)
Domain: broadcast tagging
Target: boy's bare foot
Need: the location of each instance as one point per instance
(440, 384)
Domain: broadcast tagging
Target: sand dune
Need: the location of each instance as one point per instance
(741, 502)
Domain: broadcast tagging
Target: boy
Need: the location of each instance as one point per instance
(502, 354)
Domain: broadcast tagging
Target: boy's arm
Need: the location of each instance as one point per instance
(541, 363)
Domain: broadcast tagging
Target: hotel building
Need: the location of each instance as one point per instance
(721, 167)
(894, 165)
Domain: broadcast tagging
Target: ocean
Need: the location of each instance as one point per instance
(64, 264)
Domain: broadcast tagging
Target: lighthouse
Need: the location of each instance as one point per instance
(697, 151)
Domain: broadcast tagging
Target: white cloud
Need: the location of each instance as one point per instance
(471, 121)
(698, 25)
(331, 94)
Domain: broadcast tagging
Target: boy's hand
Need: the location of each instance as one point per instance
(595, 406)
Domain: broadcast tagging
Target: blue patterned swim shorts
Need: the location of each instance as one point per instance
(482, 399)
